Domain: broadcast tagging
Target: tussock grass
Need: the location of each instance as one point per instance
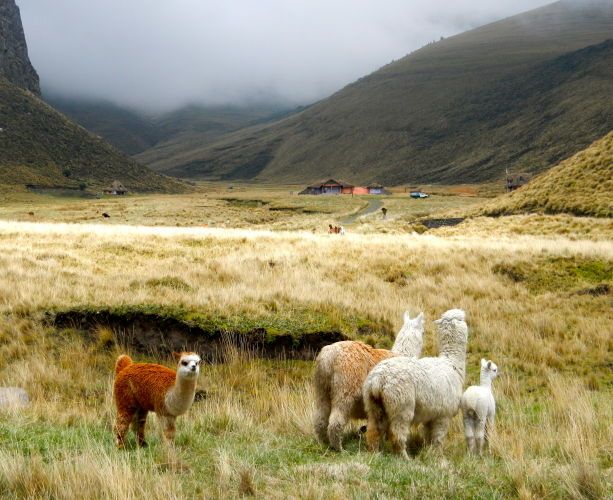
(580, 185)
(251, 433)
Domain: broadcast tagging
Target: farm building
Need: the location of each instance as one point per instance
(376, 189)
(115, 188)
(515, 181)
(332, 186)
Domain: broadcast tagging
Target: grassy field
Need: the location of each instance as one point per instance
(540, 306)
(241, 206)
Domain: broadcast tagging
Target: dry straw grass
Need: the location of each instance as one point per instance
(252, 435)
(580, 185)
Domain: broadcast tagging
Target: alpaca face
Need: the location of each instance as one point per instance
(489, 368)
(189, 365)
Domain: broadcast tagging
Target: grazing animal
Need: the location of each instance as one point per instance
(340, 371)
(105, 215)
(402, 391)
(335, 229)
(143, 387)
(479, 408)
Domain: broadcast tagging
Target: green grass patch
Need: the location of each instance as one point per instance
(558, 273)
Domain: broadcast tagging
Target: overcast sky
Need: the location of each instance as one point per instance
(160, 54)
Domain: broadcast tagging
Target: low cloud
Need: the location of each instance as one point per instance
(157, 54)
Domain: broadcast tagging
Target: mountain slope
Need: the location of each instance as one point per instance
(164, 134)
(15, 64)
(127, 130)
(194, 126)
(580, 185)
(520, 93)
(40, 146)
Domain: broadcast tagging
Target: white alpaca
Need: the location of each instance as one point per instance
(340, 371)
(479, 408)
(402, 391)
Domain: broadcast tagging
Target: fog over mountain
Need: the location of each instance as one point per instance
(157, 55)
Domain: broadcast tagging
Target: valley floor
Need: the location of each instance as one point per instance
(539, 306)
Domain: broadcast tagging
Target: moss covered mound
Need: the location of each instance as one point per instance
(162, 330)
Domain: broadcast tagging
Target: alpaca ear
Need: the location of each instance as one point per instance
(419, 320)
(483, 363)
(489, 365)
(177, 356)
(406, 317)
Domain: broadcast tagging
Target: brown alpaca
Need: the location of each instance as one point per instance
(340, 371)
(143, 387)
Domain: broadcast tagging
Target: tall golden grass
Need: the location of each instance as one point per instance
(252, 433)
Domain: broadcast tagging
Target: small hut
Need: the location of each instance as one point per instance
(376, 189)
(115, 188)
(515, 181)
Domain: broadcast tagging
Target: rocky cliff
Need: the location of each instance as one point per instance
(15, 64)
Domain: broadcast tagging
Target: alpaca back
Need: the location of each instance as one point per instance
(341, 369)
(478, 402)
(430, 386)
(144, 385)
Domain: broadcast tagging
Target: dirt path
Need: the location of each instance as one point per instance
(373, 205)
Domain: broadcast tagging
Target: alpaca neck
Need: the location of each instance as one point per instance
(181, 396)
(457, 357)
(485, 381)
(452, 338)
(407, 344)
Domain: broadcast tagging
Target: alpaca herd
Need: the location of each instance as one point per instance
(399, 389)
(393, 389)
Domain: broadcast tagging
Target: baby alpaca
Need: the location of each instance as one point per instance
(340, 370)
(143, 387)
(479, 408)
(402, 391)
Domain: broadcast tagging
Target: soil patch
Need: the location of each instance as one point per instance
(434, 223)
(161, 335)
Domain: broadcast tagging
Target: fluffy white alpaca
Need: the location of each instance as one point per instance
(402, 391)
(479, 408)
(340, 370)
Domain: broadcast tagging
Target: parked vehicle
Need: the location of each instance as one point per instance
(419, 194)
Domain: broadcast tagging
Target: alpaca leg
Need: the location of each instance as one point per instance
(168, 424)
(322, 417)
(376, 427)
(399, 434)
(480, 435)
(122, 424)
(469, 434)
(336, 425)
(489, 428)
(438, 430)
(140, 420)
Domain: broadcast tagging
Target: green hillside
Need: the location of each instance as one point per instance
(194, 126)
(165, 134)
(127, 130)
(522, 93)
(580, 185)
(40, 146)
